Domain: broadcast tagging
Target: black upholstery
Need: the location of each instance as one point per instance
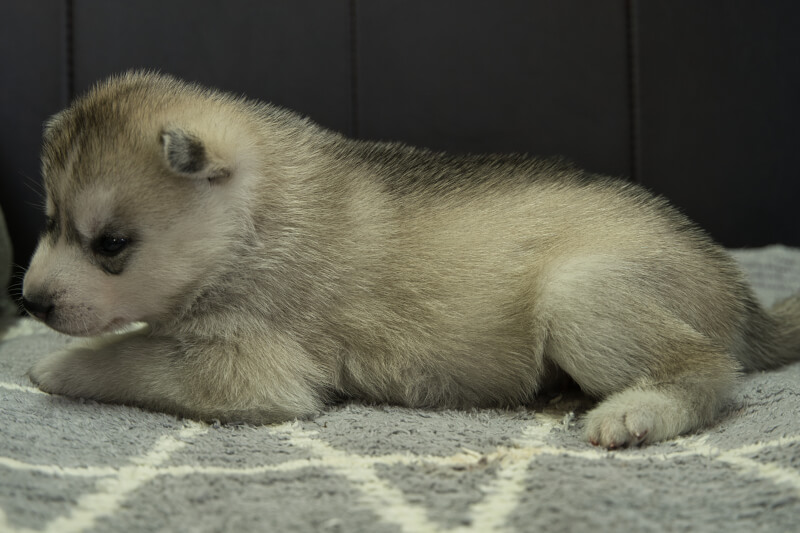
(696, 100)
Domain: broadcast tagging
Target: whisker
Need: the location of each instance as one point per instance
(34, 184)
(39, 204)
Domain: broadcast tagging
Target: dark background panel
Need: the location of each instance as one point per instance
(548, 78)
(720, 104)
(294, 53)
(697, 100)
(31, 89)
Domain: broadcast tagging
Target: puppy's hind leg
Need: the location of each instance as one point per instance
(660, 407)
(657, 376)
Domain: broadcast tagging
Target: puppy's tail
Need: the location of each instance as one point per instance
(772, 338)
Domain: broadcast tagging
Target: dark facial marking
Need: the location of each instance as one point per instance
(110, 245)
(58, 225)
(112, 254)
(112, 249)
(71, 232)
(52, 228)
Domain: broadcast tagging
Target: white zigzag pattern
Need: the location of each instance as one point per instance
(389, 503)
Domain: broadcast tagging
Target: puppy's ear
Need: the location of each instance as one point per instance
(187, 155)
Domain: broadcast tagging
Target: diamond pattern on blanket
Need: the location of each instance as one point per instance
(73, 466)
(445, 492)
(299, 500)
(649, 496)
(387, 429)
(29, 340)
(786, 458)
(237, 447)
(32, 499)
(45, 431)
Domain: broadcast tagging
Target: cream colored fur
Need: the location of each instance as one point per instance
(279, 265)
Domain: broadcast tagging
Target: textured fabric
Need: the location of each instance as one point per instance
(73, 465)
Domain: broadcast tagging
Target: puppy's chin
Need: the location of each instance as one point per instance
(90, 329)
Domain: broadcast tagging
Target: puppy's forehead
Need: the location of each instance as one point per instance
(87, 211)
(94, 208)
(75, 146)
(87, 140)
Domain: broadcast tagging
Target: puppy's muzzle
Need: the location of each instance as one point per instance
(40, 310)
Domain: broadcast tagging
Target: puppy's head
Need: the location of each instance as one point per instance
(139, 193)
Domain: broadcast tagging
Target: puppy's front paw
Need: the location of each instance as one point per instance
(632, 418)
(50, 374)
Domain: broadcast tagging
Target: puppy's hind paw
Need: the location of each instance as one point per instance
(616, 430)
(633, 418)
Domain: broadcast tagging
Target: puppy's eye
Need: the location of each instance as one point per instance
(110, 245)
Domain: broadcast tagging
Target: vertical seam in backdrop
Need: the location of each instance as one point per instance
(354, 116)
(68, 71)
(634, 88)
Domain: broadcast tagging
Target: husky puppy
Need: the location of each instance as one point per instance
(278, 265)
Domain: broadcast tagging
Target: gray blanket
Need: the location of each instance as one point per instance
(72, 465)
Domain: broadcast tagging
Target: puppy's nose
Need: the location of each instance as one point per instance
(38, 309)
